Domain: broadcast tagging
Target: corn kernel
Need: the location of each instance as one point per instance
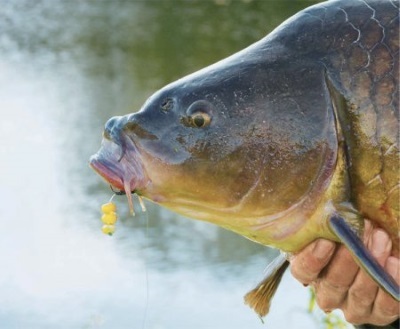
(109, 218)
(108, 229)
(108, 207)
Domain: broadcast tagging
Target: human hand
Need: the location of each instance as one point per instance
(340, 283)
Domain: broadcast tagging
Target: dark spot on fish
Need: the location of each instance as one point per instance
(120, 192)
(167, 104)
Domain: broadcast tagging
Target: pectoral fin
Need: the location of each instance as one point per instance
(363, 257)
(260, 297)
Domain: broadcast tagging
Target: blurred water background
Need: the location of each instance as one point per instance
(65, 68)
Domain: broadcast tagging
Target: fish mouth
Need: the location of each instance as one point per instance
(121, 168)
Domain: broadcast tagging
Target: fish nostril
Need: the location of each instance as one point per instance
(113, 132)
(112, 129)
(109, 128)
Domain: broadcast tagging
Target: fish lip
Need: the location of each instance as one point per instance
(107, 171)
(122, 172)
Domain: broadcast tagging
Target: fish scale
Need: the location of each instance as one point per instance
(368, 119)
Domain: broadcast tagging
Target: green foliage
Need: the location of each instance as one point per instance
(332, 320)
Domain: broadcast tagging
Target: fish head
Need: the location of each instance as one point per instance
(214, 146)
(185, 149)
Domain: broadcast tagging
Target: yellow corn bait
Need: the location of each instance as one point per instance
(109, 214)
(108, 229)
(109, 217)
(108, 207)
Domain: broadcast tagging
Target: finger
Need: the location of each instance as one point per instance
(364, 289)
(307, 264)
(332, 287)
(338, 276)
(386, 309)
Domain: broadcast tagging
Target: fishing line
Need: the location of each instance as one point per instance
(112, 197)
(108, 210)
(145, 256)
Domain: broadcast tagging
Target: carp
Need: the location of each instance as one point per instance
(292, 139)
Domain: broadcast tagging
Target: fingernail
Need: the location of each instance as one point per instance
(380, 241)
(323, 249)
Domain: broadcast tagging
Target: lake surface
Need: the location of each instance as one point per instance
(65, 68)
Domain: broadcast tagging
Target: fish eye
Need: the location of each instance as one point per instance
(167, 104)
(199, 114)
(200, 120)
